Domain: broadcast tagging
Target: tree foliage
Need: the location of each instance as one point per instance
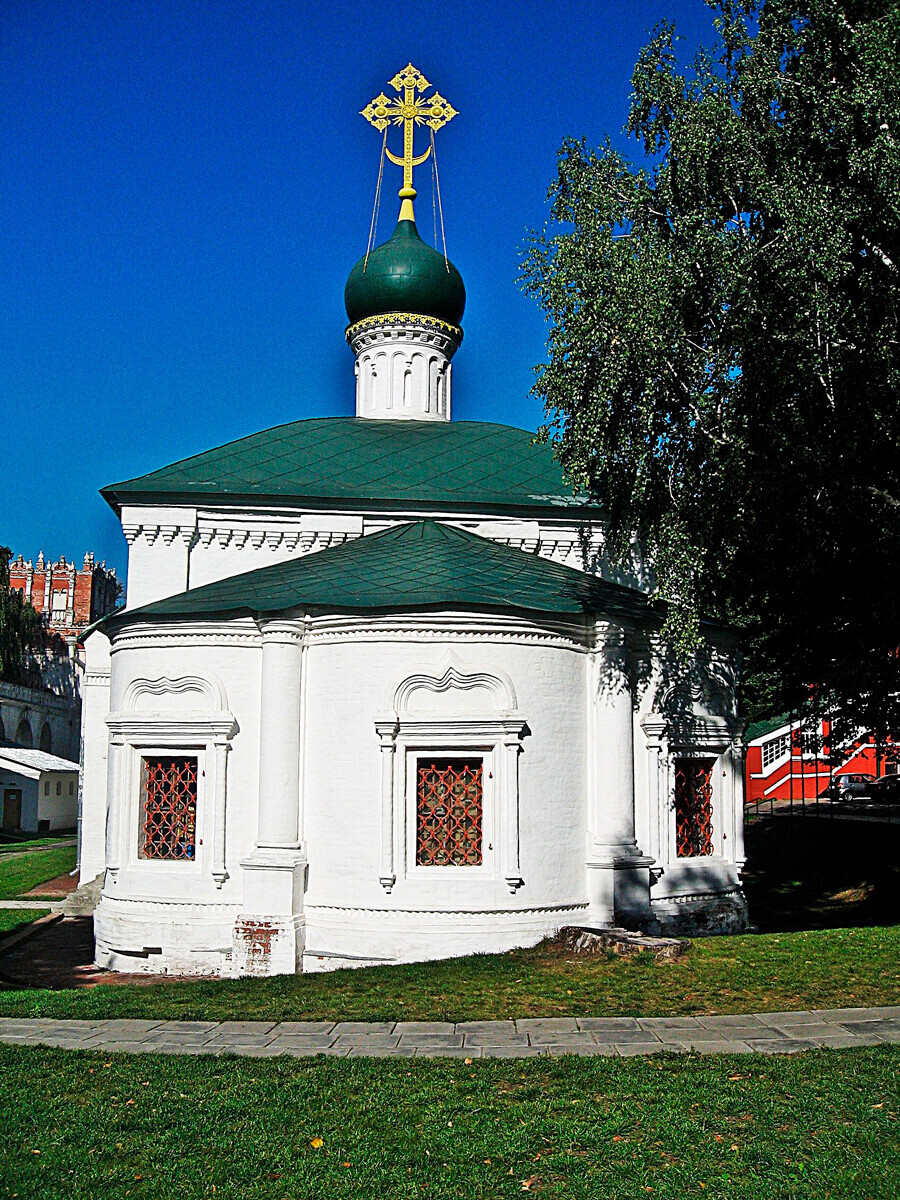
(21, 631)
(723, 362)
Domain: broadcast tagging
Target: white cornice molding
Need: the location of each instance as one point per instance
(209, 686)
(185, 728)
(456, 676)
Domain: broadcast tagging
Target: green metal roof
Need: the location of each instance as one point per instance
(760, 728)
(405, 275)
(352, 461)
(424, 564)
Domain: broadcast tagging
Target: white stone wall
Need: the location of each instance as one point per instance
(403, 369)
(13, 781)
(173, 550)
(94, 754)
(61, 811)
(340, 875)
(433, 912)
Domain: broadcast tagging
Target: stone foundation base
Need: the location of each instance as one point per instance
(696, 916)
(266, 945)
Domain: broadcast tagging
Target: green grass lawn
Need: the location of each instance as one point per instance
(17, 847)
(816, 1125)
(12, 919)
(18, 875)
(752, 973)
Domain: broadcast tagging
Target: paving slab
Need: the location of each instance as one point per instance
(226, 1027)
(633, 1049)
(810, 1031)
(508, 1041)
(286, 1028)
(235, 1040)
(432, 1040)
(313, 1043)
(125, 1028)
(660, 1025)
(576, 1038)
(382, 1051)
(189, 1026)
(465, 1052)
(602, 1023)
(716, 1045)
(367, 1041)
(737, 1021)
(52, 1025)
(268, 1051)
(623, 1036)
(364, 1027)
(764, 1033)
(839, 1014)
(177, 1037)
(198, 1048)
(424, 1027)
(125, 1047)
(801, 1017)
(514, 1052)
(782, 1046)
(543, 1025)
(837, 1041)
(579, 1050)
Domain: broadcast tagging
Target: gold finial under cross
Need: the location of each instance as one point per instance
(409, 110)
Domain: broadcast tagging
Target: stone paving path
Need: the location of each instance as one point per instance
(761, 1033)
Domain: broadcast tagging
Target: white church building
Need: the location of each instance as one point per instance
(378, 697)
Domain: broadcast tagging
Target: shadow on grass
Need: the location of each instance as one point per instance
(822, 870)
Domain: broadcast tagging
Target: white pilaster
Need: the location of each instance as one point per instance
(387, 733)
(618, 876)
(269, 933)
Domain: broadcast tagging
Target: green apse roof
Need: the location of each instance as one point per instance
(405, 275)
(424, 564)
(353, 462)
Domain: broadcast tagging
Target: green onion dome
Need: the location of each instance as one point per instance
(405, 275)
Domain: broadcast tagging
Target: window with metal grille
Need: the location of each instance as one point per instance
(775, 749)
(168, 808)
(449, 811)
(693, 807)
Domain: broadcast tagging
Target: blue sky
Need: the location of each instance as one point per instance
(186, 184)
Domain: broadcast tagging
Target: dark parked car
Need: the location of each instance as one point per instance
(851, 788)
(886, 790)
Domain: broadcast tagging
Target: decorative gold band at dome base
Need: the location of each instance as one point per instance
(398, 318)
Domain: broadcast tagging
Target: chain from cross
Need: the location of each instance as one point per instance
(408, 110)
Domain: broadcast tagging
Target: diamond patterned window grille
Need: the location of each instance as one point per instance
(168, 808)
(449, 812)
(693, 807)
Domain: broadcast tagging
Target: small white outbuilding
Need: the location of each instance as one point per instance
(39, 791)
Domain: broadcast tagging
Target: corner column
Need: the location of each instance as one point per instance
(270, 932)
(618, 874)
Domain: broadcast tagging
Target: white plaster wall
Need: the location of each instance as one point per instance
(29, 789)
(174, 549)
(173, 916)
(62, 810)
(684, 890)
(349, 914)
(159, 540)
(95, 742)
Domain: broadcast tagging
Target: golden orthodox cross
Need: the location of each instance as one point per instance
(409, 110)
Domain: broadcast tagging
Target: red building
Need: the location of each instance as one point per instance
(68, 598)
(787, 761)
